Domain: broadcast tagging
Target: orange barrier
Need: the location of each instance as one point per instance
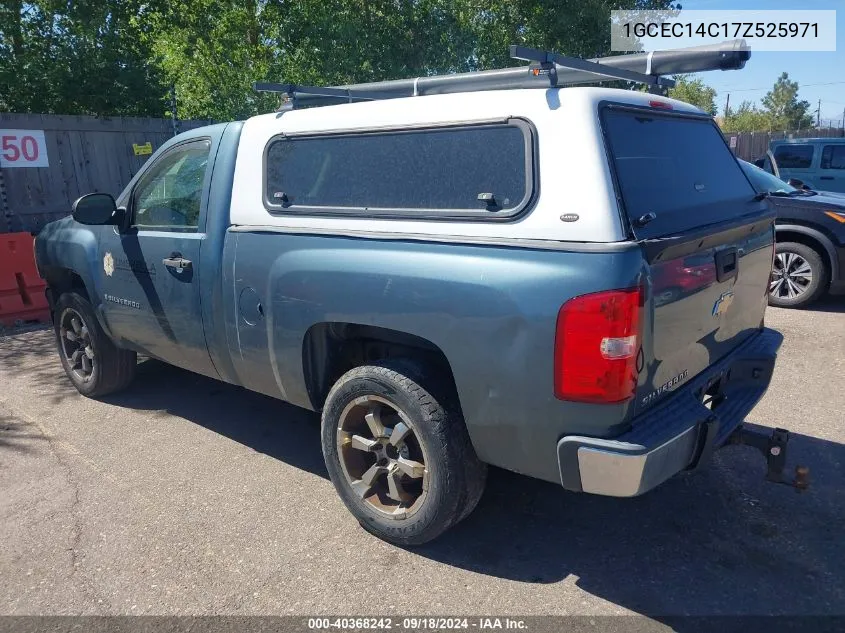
(21, 289)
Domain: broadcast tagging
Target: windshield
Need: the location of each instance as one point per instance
(763, 181)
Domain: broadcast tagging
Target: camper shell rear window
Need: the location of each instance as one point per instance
(672, 172)
(484, 171)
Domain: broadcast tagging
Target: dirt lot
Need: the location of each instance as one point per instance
(188, 496)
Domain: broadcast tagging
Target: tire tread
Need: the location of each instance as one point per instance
(438, 406)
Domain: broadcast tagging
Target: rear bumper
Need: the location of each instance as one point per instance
(680, 433)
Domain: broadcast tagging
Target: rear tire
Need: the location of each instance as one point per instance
(95, 366)
(411, 490)
(799, 276)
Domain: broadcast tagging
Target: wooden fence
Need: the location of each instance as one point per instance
(752, 145)
(83, 154)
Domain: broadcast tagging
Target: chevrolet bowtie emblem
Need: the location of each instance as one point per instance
(723, 303)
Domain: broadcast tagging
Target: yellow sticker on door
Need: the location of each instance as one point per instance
(141, 150)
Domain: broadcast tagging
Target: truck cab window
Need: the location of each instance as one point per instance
(438, 171)
(168, 196)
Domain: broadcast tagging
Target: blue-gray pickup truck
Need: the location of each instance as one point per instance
(567, 283)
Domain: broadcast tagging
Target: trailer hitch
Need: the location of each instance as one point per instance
(773, 448)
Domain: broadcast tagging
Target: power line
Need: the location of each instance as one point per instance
(827, 83)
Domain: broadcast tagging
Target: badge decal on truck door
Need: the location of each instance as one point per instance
(723, 303)
(108, 264)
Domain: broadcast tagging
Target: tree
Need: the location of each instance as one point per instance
(213, 62)
(747, 118)
(578, 28)
(122, 56)
(76, 58)
(694, 91)
(784, 108)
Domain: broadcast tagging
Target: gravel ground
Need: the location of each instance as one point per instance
(187, 496)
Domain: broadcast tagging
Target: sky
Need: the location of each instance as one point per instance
(761, 71)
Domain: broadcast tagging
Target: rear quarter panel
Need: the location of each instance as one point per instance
(491, 310)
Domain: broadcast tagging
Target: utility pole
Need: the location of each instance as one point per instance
(728, 106)
(819, 114)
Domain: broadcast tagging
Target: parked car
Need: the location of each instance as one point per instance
(818, 163)
(452, 280)
(810, 232)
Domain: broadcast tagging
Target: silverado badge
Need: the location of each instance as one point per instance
(108, 264)
(723, 303)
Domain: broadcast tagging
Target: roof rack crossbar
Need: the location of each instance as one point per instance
(547, 62)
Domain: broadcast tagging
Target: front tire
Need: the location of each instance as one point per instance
(398, 452)
(799, 276)
(95, 366)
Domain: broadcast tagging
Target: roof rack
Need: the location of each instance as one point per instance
(547, 64)
(547, 70)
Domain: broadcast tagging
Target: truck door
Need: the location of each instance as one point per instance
(149, 272)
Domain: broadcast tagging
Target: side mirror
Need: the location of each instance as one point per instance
(795, 182)
(96, 209)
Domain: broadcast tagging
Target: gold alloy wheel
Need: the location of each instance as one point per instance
(381, 457)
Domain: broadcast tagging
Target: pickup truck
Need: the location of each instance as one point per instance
(567, 283)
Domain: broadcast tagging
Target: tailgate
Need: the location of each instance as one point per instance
(708, 242)
(708, 295)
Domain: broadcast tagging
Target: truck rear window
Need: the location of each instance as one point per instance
(675, 167)
(482, 170)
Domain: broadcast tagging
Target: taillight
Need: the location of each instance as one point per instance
(660, 104)
(596, 345)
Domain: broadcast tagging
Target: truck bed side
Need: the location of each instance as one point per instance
(491, 311)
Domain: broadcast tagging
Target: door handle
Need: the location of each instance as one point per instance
(177, 261)
(727, 262)
(825, 177)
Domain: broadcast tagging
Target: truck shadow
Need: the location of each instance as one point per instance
(719, 541)
(277, 429)
(828, 303)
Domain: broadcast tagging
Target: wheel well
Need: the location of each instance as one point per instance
(808, 241)
(61, 280)
(329, 350)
